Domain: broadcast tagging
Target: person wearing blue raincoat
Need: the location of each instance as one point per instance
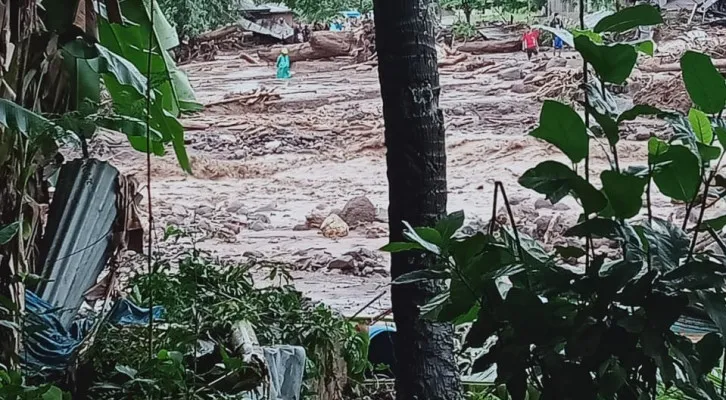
(283, 65)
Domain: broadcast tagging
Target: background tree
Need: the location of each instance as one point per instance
(426, 367)
(193, 17)
(467, 7)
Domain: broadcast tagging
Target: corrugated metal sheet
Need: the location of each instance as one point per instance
(276, 30)
(77, 241)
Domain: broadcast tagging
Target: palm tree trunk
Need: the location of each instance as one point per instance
(426, 367)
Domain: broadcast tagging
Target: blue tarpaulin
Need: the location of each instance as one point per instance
(50, 346)
(351, 14)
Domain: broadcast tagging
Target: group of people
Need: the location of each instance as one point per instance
(530, 39)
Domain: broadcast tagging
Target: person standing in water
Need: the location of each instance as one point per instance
(557, 42)
(530, 43)
(283, 65)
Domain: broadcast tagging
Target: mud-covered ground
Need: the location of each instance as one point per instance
(262, 168)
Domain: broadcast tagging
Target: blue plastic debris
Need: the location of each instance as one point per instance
(50, 346)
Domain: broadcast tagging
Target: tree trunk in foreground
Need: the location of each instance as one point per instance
(426, 366)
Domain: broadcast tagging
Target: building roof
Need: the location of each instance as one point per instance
(272, 8)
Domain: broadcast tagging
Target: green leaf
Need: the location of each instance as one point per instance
(450, 224)
(132, 41)
(127, 371)
(701, 126)
(124, 71)
(139, 143)
(420, 276)
(8, 232)
(668, 243)
(721, 135)
(704, 83)
(696, 275)
(656, 148)
(562, 127)
(130, 126)
(594, 37)
(21, 119)
(53, 393)
(645, 47)
(430, 235)
(596, 227)
(715, 306)
(710, 350)
(467, 317)
(624, 192)
(431, 309)
(556, 180)
(608, 125)
(399, 247)
(708, 153)
(629, 18)
(612, 63)
(679, 175)
(637, 111)
(612, 377)
(413, 235)
(717, 224)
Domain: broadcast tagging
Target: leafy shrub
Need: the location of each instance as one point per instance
(604, 329)
(203, 299)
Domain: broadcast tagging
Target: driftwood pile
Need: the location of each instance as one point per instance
(559, 83)
(206, 46)
(322, 44)
(259, 96)
(664, 91)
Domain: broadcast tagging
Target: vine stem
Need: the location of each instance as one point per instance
(588, 240)
(150, 265)
(650, 212)
(500, 186)
(700, 217)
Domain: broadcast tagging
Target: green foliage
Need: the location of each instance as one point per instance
(704, 83)
(467, 7)
(326, 10)
(629, 18)
(14, 387)
(464, 30)
(8, 232)
(203, 300)
(191, 17)
(603, 329)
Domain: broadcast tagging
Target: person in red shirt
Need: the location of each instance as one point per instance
(530, 42)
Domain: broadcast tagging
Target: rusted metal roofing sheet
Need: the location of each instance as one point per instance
(78, 238)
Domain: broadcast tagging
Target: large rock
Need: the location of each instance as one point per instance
(358, 211)
(315, 219)
(556, 62)
(510, 74)
(334, 227)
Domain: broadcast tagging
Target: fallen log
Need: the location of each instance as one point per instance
(449, 61)
(491, 46)
(247, 58)
(479, 64)
(323, 44)
(676, 67)
(220, 33)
